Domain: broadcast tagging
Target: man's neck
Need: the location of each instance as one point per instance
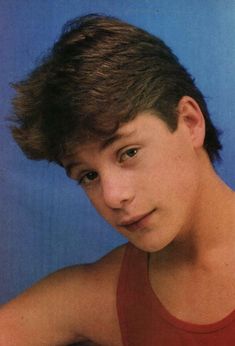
(212, 233)
(194, 276)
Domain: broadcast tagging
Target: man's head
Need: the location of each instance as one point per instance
(147, 181)
(99, 75)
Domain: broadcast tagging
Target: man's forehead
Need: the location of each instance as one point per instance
(126, 131)
(96, 146)
(102, 144)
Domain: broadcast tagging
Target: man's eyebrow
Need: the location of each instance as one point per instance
(107, 142)
(104, 144)
(70, 166)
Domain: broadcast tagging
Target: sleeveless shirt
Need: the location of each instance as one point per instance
(144, 321)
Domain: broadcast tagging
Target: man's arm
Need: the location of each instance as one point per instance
(48, 313)
(73, 305)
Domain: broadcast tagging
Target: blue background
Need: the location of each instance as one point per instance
(46, 222)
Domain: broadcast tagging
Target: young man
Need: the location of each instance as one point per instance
(114, 107)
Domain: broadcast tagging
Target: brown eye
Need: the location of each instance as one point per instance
(128, 154)
(88, 177)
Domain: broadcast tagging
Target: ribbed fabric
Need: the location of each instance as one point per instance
(145, 322)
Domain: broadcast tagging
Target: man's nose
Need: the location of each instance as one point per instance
(117, 190)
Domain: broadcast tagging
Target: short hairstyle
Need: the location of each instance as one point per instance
(100, 74)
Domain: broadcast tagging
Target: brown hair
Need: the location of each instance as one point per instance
(101, 73)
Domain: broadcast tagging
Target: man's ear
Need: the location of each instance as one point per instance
(191, 117)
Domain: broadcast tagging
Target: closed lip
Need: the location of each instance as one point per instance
(134, 219)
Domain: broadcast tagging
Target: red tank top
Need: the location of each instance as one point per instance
(145, 322)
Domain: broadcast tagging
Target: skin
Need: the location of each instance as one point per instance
(146, 171)
(159, 189)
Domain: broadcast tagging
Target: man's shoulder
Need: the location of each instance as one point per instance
(103, 271)
(108, 265)
(94, 292)
(80, 300)
(89, 282)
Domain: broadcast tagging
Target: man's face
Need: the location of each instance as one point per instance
(144, 180)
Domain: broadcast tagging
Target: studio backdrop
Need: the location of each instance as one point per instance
(46, 221)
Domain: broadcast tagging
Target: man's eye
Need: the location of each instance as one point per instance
(88, 177)
(128, 154)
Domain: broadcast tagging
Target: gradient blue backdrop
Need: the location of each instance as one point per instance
(46, 220)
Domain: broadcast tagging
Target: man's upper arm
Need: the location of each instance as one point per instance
(74, 304)
(50, 313)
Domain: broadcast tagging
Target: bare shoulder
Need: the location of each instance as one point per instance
(72, 304)
(102, 278)
(108, 266)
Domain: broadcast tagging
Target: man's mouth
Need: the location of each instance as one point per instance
(137, 222)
